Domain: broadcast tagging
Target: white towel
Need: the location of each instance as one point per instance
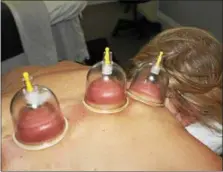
(207, 136)
(33, 23)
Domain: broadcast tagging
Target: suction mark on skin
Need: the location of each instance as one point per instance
(75, 113)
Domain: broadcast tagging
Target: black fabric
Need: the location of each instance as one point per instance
(143, 28)
(139, 23)
(96, 48)
(11, 43)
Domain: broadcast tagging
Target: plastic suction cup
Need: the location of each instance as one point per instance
(147, 87)
(106, 88)
(37, 118)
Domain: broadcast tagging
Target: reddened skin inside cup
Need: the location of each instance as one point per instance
(151, 92)
(37, 124)
(106, 93)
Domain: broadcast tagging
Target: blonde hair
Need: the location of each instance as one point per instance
(193, 62)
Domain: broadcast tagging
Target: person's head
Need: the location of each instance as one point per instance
(193, 62)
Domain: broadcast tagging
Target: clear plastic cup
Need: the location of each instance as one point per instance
(147, 87)
(106, 93)
(37, 126)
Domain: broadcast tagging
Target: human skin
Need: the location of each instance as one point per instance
(35, 126)
(149, 92)
(149, 89)
(102, 91)
(138, 138)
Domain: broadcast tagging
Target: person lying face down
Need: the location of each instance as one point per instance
(137, 138)
(192, 61)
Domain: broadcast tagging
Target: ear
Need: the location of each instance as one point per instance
(128, 84)
(170, 106)
(184, 120)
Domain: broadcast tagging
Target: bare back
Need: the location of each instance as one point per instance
(138, 138)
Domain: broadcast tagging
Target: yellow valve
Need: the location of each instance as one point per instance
(28, 84)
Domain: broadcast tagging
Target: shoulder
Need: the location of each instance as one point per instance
(12, 81)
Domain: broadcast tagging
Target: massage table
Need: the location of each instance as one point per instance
(58, 33)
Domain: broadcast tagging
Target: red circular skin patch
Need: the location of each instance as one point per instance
(103, 91)
(39, 125)
(147, 89)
